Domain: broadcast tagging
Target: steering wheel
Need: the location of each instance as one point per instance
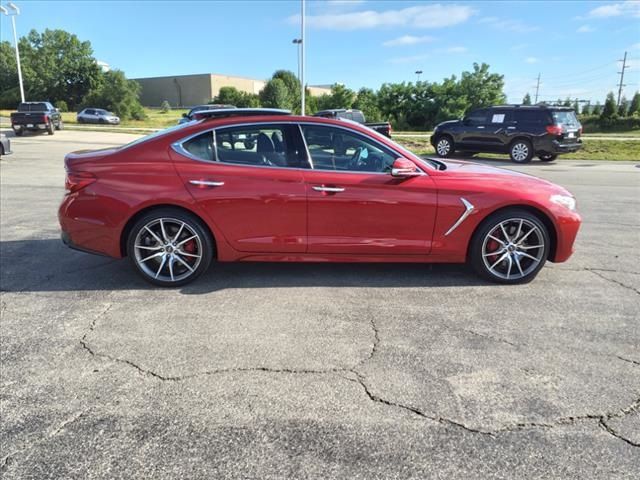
(355, 159)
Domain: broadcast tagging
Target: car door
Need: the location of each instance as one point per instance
(249, 180)
(474, 128)
(501, 129)
(355, 206)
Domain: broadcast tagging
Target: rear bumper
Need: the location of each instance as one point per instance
(566, 147)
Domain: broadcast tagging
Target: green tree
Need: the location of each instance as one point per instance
(481, 88)
(56, 65)
(367, 101)
(623, 107)
(233, 96)
(527, 99)
(9, 89)
(634, 108)
(576, 106)
(597, 109)
(586, 109)
(117, 94)
(609, 110)
(165, 106)
(567, 102)
(275, 95)
(293, 88)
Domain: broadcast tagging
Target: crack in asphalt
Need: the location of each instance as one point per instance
(596, 271)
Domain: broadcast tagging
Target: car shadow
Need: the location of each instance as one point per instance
(46, 265)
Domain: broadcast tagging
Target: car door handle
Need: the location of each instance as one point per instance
(480, 126)
(328, 189)
(511, 128)
(205, 183)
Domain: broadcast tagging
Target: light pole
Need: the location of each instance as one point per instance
(16, 11)
(418, 73)
(302, 45)
(298, 42)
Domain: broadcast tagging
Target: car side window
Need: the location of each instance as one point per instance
(338, 149)
(262, 145)
(357, 117)
(530, 117)
(201, 146)
(477, 117)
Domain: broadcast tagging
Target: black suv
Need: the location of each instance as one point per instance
(520, 130)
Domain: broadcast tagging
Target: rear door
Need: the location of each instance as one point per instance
(249, 180)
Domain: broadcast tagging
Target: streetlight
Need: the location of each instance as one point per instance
(298, 41)
(16, 11)
(418, 73)
(302, 45)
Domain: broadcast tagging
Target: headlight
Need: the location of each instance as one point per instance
(564, 200)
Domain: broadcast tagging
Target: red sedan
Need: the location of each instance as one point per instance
(267, 186)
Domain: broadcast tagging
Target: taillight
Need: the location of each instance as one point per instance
(554, 129)
(75, 181)
(45, 119)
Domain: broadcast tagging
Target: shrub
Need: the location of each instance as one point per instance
(165, 106)
(62, 106)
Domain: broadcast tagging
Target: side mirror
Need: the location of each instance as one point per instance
(403, 168)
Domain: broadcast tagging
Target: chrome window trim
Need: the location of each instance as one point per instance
(469, 208)
(178, 147)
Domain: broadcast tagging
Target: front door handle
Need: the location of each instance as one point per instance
(328, 189)
(205, 183)
(480, 126)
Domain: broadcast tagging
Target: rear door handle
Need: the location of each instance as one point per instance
(206, 183)
(480, 126)
(328, 189)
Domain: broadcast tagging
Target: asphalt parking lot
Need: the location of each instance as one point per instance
(317, 371)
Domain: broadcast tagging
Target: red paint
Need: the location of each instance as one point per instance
(274, 214)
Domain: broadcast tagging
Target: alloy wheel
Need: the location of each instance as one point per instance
(168, 249)
(513, 249)
(520, 152)
(443, 147)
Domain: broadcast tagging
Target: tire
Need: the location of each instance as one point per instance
(444, 146)
(547, 157)
(50, 129)
(518, 258)
(521, 151)
(18, 132)
(60, 125)
(101, 121)
(1, 150)
(161, 258)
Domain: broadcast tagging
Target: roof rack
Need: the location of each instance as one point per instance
(238, 112)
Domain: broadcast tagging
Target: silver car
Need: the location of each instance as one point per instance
(5, 145)
(97, 115)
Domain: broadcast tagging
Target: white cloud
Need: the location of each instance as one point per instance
(422, 16)
(635, 46)
(586, 29)
(508, 25)
(457, 50)
(531, 60)
(630, 7)
(407, 40)
(410, 59)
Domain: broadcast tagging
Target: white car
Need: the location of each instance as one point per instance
(97, 115)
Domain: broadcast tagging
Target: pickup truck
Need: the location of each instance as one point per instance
(36, 116)
(357, 116)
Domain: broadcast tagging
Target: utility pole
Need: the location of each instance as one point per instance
(302, 46)
(418, 73)
(624, 66)
(535, 102)
(16, 11)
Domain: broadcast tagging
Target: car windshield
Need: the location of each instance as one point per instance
(159, 133)
(565, 117)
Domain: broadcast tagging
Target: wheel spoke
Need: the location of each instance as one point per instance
(185, 264)
(182, 252)
(185, 241)
(517, 260)
(151, 256)
(175, 239)
(510, 266)
(524, 254)
(144, 247)
(530, 247)
(515, 238)
(164, 232)
(504, 232)
(501, 259)
(497, 240)
(153, 234)
(171, 268)
(164, 260)
(527, 235)
(491, 254)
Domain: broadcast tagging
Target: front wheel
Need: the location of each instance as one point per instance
(521, 151)
(170, 247)
(50, 128)
(444, 147)
(60, 125)
(510, 247)
(547, 157)
(18, 132)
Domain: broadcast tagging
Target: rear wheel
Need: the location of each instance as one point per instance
(50, 128)
(18, 132)
(170, 247)
(547, 157)
(521, 151)
(510, 247)
(60, 125)
(444, 147)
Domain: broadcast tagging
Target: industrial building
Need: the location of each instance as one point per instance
(188, 90)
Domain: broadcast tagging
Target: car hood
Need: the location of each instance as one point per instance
(459, 169)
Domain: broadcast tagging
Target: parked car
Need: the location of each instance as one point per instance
(5, 145)
(35, 116)
(97, 115)
(519, 130)
(187, 117)
(356, 116)
(309, 189)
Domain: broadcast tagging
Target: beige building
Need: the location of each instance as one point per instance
(189, 90)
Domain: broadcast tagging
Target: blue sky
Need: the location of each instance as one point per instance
(573, 45)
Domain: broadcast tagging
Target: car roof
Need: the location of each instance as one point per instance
(239, 112)
(532, 107)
